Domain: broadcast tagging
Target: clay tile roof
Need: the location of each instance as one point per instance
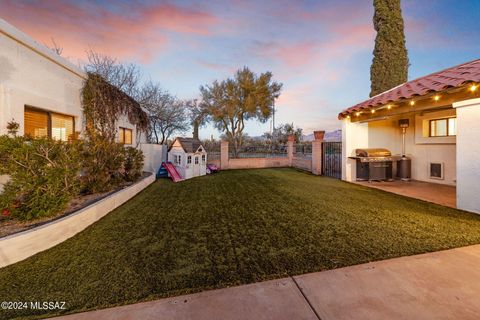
(435, 82)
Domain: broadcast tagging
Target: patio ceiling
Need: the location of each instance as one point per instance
(451, 80)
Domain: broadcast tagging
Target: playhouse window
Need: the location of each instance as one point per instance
(189, 159)
(196, 160)
(178, 160)
(203, 158)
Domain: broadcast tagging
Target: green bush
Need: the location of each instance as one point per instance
(44, 175)
(133, 164)
(102, 162)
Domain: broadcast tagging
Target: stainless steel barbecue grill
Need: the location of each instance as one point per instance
(374, 164)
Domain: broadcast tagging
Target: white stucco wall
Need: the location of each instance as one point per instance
(31, 74)
(154, 155)
(354, 136)
(468, 155)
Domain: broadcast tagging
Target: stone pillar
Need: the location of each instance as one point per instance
(468, 151)
(224, 155)
(290, 142)
(317, 152)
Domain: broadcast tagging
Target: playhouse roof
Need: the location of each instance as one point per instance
(449, 78)
(190, 145)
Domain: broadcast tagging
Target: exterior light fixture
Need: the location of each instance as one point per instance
(348, 117)
(436, 98)
(389, 106)
(412, 103)
(357, 114)
(473, 87)
(373, 110)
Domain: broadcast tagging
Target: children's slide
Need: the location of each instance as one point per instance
(172, 171)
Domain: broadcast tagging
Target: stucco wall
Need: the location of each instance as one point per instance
(303, 163)
(468, 155)
(422, 150)
(31, 75)
(251, 163)
(154, 155)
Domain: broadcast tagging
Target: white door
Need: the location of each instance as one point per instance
(196, 166)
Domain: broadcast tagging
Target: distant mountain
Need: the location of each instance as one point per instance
(329, 136)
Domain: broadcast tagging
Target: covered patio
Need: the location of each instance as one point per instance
(431, 121)
(432, 192)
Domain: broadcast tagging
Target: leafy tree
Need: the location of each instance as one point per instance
(167, 114)
(198, 115)
(281, 133)
(390, 59)
(233, 101)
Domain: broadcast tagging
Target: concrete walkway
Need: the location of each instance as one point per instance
(440, 285)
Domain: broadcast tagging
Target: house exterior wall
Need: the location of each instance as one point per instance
(468, 155)
(354, 136)
(32, 75)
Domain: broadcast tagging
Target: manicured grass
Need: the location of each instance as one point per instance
(227, 229)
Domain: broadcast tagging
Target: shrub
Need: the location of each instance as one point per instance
(44, 175)
(102, 162)
(133, 165)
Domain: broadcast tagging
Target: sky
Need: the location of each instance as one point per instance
(320, 50)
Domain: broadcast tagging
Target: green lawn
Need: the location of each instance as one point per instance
(227, 229)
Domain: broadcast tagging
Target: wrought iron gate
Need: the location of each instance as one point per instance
(332, 159)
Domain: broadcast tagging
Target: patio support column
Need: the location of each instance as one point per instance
(224, 155)
(290, 141)
(354, 135)
(317, 152)
(468, 151)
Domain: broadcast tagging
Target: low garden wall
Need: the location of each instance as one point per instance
(251, 163)
(154, 155)
(303, 163)
(22, 245)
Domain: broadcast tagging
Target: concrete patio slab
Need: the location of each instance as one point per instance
(432, 192)
(440, 285)
(276, 299)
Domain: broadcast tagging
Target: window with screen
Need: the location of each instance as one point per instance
(125, 136)
(443, 127)
(39, 123)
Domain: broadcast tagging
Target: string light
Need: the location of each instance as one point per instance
(473, 87)
(373, 110)
(412, 103)
(389, 107)
(436, 98)
(357, 114)
(348, 117)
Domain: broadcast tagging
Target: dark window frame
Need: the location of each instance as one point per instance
(448, 127)
(49, 118)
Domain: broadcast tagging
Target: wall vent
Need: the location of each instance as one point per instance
(436, 170)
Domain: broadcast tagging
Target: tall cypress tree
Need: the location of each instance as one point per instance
(390, 59)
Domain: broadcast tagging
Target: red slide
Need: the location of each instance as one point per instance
(172, 172)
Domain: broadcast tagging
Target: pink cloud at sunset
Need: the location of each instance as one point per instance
(139, 31)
